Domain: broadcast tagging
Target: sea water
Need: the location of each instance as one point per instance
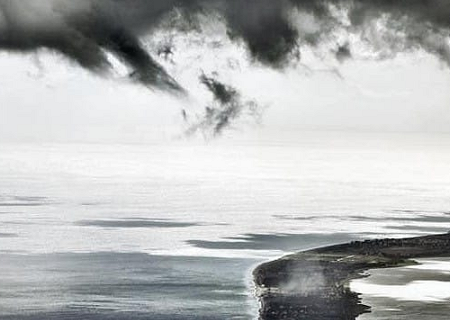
(173, 230)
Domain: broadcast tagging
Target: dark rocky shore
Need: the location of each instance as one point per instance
(313, 284)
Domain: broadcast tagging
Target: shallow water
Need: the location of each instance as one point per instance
(173, 231)
(112, 285)
(414, 292)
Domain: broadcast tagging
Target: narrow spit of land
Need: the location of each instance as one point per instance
(314, 284)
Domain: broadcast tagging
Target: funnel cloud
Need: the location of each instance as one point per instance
(226, 106)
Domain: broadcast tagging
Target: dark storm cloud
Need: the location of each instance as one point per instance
(84, 29)
(272, 31)
(343, 52)
(265, 28)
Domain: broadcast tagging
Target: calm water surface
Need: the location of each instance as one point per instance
(173, 231)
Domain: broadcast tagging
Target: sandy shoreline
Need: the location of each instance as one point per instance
(314, 284)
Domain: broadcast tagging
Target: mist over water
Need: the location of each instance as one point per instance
(173, 231)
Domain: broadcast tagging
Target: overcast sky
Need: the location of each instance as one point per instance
(55, 100)
(46, 96)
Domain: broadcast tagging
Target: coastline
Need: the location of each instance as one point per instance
(314, 284)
